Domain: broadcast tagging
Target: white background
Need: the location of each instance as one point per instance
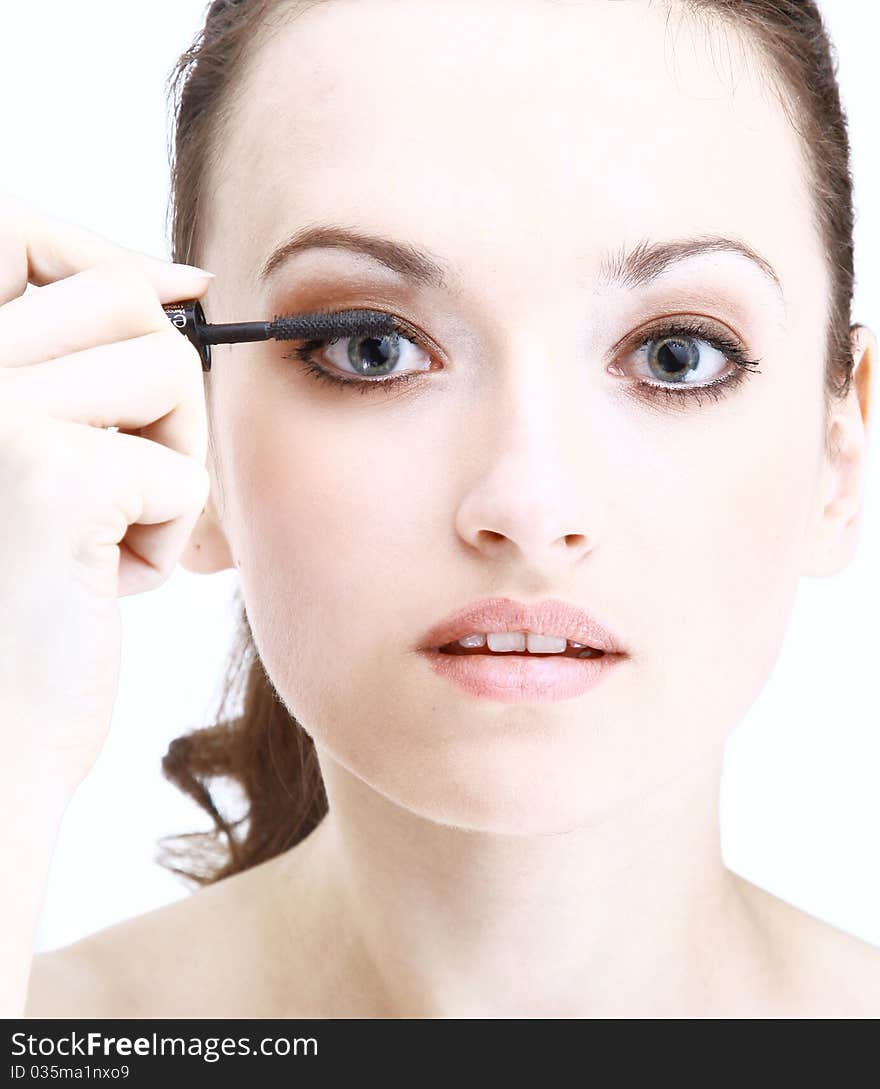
(84, 136)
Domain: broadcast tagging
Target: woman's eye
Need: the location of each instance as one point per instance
(681, 360)
(365, 360)
(685, 358)
(376, 357)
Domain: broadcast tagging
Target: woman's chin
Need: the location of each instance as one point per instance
(500, 789)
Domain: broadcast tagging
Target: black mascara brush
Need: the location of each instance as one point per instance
(189, 318)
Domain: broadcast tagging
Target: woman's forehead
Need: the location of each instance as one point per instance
(474, 125)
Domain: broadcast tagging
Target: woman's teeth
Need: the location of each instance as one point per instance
(517, 641)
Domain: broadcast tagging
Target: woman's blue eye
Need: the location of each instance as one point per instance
(372, 356)
(370, 360)
(673, 356)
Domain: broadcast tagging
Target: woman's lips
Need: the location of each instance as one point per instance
(522, 678)
(552, 616)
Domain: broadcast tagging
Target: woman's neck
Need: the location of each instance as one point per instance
(634, 915)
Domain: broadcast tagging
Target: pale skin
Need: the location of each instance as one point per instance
(483, 859)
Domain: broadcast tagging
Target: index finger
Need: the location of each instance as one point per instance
(39, 249)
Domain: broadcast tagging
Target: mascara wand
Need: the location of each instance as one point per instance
(189, 318)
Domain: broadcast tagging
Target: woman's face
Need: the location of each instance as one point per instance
(528, 146)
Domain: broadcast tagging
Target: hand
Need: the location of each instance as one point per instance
(87, 515)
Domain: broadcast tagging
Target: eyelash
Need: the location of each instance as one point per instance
(672, 394)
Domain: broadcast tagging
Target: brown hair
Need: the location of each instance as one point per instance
(262, 749)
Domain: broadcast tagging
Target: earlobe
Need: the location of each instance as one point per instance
(207, 550)
(836, 523)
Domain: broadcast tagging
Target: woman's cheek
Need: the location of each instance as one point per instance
(728, 595)
(331, 542)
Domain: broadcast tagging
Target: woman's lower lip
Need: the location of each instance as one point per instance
(517, 678)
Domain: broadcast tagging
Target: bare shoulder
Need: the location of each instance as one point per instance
(243, 947)
(63, 983)
(831, 972)
(174, 961)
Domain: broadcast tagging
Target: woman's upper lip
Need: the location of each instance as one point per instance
(549, 617)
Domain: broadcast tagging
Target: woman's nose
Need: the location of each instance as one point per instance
(529, 519)
(531, 494)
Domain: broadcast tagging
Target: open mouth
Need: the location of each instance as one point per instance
(569, 652)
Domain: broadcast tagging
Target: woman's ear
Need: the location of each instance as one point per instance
(834, 529)
(207, 550)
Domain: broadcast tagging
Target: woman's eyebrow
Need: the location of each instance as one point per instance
(647, 261)
(628, 268)
(417, 265)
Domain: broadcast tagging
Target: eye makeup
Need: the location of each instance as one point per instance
(669, 335)
(318, 330)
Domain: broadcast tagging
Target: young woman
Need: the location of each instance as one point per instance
(625, 411)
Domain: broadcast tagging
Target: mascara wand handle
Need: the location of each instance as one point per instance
(189, 318)
(237, 332)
